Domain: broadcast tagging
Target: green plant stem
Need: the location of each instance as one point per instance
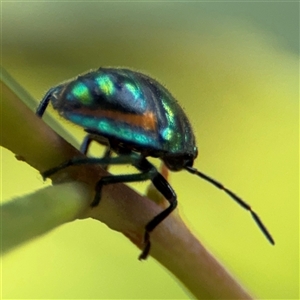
(35, 214)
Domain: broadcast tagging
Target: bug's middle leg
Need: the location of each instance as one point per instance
(90, 137)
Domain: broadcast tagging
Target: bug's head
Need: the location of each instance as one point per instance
(179, 162)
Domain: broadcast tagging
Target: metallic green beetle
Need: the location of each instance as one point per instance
(135, 117)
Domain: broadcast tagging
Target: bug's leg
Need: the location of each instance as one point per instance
(148, 174)
(94, 137)
(44, 103)
(167, 191)
(86, 144)
(107, 154)
(76, 161)
(148, 171)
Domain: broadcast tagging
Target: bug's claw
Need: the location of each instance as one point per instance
(145, 251)
(147, 246)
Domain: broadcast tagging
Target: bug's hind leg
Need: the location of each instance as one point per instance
(44, 103)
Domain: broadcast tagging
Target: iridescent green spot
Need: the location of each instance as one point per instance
(171, 133)
(105, 84)
(170, 117)
(167, 134)
(169, 110)
(135, 91)
(82, 93)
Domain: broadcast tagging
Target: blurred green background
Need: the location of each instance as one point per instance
(234, 68)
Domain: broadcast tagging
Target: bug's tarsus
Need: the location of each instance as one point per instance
(241, 202)
(147, 247)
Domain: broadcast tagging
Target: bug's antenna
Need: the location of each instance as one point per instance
(235, 198)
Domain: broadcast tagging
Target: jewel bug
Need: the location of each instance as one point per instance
(135, 117)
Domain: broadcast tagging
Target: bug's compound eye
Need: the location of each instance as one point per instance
(195, 152)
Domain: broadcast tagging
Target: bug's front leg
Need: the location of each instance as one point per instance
(167, 191)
